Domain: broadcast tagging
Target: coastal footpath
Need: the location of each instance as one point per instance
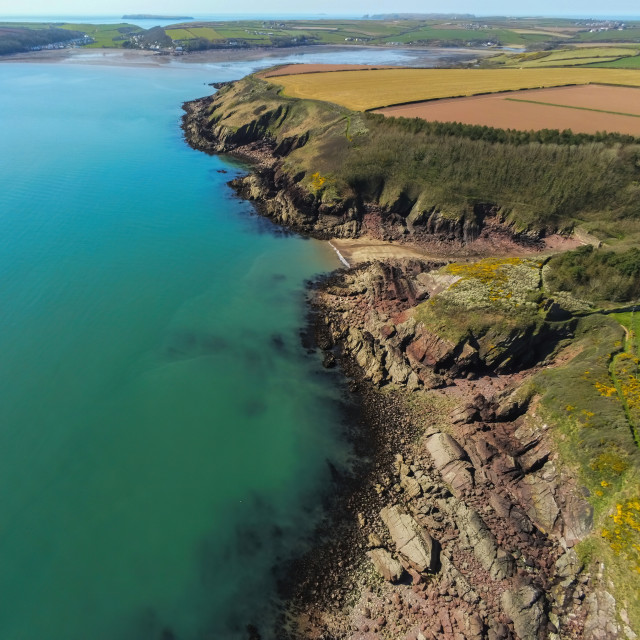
(499, 497)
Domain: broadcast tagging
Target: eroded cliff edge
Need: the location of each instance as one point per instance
(505, 446)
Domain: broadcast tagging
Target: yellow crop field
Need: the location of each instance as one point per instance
(362, 90)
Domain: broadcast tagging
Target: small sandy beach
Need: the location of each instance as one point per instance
(358, 250)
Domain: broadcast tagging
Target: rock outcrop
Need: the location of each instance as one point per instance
(475, 509)
(524, 606)
(452, 462)
(411, 540)
(388, 567)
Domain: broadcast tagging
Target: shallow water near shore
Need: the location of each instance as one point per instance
(164, 436)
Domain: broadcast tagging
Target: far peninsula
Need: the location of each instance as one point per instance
(151, 16)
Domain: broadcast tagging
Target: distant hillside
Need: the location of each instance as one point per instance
(18, 39)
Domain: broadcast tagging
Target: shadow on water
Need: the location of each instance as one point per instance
(191, 343)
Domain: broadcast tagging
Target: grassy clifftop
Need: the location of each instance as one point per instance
(535, 181)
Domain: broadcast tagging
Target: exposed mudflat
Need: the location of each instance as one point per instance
(414, 57)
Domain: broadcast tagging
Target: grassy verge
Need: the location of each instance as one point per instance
(631, 321)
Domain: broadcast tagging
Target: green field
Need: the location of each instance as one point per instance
(179, 34)
(205, 32)
(628, 35)
(502, 36)
(105, 35)
(630, 62)
(614, 56)
(631, 322)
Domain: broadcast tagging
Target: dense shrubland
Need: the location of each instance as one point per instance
(537, 185)
(597, 274)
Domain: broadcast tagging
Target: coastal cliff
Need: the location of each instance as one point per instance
(277, 140)
(499, 439)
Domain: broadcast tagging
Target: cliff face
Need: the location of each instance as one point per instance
(472, 524)
(290, 143)
(475, 520)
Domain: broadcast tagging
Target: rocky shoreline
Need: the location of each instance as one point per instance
(461, 523)
(479, 566)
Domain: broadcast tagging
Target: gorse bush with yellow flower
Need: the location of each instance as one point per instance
(623, 532)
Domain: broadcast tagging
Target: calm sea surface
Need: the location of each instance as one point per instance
(164, 436)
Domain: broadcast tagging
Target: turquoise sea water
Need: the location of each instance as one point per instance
(163, 434)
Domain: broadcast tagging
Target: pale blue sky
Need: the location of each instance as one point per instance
(353, 7)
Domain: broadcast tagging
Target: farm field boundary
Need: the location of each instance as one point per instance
(364, 90)
(569, 106)
(583, 109)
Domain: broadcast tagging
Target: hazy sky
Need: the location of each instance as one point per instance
(357, 7)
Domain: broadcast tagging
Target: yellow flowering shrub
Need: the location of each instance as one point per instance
(624, 534)
(317, 181)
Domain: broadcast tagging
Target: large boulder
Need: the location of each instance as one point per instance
(475, 535)
(578, 519)
(524, 605)
(539, 494)
(386, 565)
(411, 539)
(452, 462)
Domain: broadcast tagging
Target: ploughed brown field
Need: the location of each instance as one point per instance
(583, 109)
(294, 69)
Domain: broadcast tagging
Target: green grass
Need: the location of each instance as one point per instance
(572, 62)
(630, 62)
(628, 35)
(504, 36)
(179, 34)
(105, 35)
(206, 32)
(631, 321)
(588, 56)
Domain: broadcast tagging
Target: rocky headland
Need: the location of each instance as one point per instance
(497, 445)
